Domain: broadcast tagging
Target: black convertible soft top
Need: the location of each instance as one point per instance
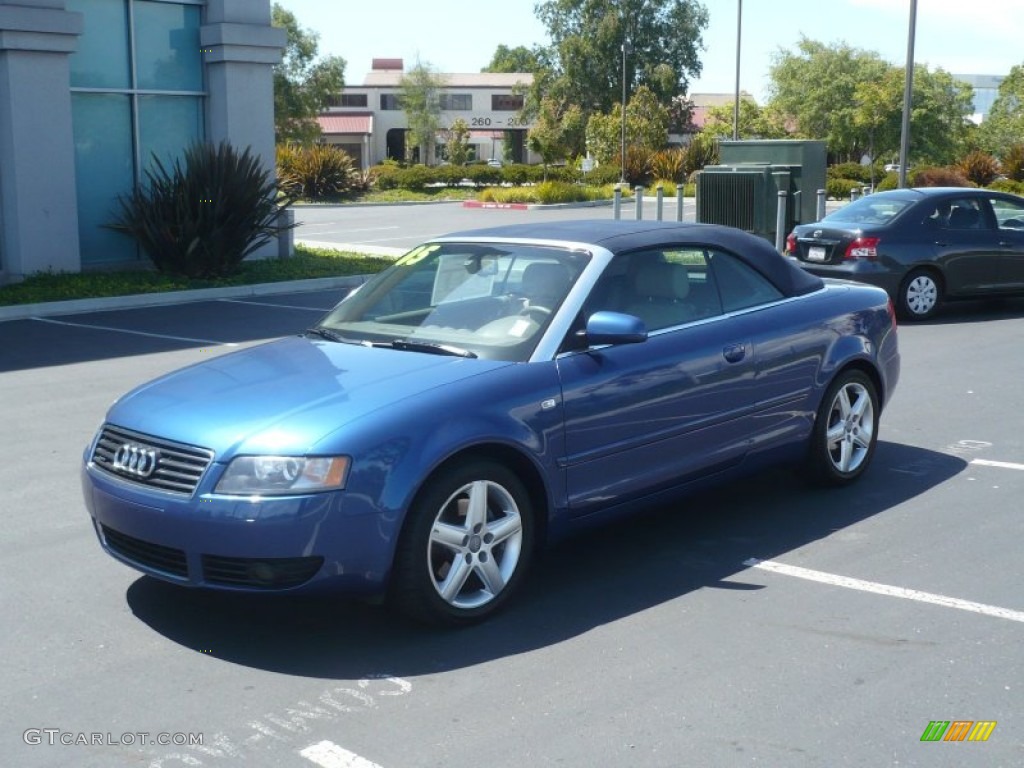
(619, 236)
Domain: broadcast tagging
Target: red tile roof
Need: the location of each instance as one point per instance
(334, 124)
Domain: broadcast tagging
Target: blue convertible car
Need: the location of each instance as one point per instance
(492, 391)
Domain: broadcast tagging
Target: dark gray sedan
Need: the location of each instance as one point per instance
(923, 246)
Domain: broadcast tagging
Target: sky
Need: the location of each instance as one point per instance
(976, 37)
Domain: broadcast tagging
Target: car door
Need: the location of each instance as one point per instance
(967, 248)
(1009, 216)
(645, 417)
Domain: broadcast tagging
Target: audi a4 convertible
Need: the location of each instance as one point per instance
(491, 392)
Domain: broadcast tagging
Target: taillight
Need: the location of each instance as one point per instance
(791, 243)
(863, 248)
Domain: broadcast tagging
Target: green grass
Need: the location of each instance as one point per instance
(307, 263)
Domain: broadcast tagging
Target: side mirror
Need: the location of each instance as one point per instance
(615, 328)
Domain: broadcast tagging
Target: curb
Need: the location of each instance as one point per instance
(134, 301)
(536, 206)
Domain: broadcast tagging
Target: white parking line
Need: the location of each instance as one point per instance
(884, 589)
(327, 754)
(135, 333)
(277, 306)
(1000, 464)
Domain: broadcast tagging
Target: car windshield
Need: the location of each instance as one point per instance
(871, 209)
(489, 300)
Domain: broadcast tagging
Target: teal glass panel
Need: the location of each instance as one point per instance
(167, 55)
(167, 125)
(103, 170)
(101, 59)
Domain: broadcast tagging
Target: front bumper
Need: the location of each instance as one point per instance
(312, 542)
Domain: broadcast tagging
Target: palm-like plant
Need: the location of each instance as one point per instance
(202, 216)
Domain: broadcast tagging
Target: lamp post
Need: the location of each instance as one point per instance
(622, 156)
(736, 102)
(908, 95)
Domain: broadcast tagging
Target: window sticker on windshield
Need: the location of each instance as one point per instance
(418, 254)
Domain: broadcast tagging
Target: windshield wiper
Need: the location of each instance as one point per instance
(326, 333)
(431, 348)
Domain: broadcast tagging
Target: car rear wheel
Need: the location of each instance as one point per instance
(920, 295)
(466, 546)
(845, 431)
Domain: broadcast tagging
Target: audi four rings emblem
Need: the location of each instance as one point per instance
(136, 459)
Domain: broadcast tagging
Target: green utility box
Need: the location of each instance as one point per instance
(742, 191)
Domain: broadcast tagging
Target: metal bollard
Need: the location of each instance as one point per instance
(617, 202)
(286, 235)
(639, 192)
(821, 205)
(661, 201)
(679, 203)
(780, 223)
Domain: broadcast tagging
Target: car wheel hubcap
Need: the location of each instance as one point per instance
(475, 544)
(922, 293)
(851, 427)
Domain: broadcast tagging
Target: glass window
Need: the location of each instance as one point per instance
(506, 102)
(167, 56)
(739, 285)
(454, 102)
(390, 101)
(167, 124)
(101, 58)
(350, 100)
(103, 170)
(1009, 214)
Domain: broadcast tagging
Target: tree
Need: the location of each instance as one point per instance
(853, 100)
(646, 127)
(558, 132)
(457, 142)
(1003, 127)
(756, 122)
(518, 59)
(421, 102)
(663, 38)
(816, 88)
(303, 85)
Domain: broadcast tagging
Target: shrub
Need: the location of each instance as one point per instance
(668, 188)
(1008, 185)
(604, 174)
(205, 214)
(638, 165)
(701, 151)
(938, 177)
(1013, 163)
(852, 171)
(669, 164)
(317, 172)
(840, 188)
(979, 168)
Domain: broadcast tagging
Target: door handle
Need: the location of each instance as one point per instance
(735, 352)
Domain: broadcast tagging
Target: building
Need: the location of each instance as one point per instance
(90, 90)
(369, 123)
(986, 91)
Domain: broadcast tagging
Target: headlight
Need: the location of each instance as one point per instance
(258, 475)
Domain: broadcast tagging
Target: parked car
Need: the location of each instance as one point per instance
(492, 392)
(923, 246)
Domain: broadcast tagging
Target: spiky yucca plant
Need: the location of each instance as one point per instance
(202, 216)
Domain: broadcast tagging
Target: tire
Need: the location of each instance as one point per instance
(466, 545)
(845, 430)
(920, 295)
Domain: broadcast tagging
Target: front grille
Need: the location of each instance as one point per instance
(150, 461)
(261, 573)
(145, 553)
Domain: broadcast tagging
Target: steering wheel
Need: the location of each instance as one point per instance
(536, 311)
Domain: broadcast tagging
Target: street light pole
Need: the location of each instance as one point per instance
(736, 102)
(908, 95)
(622, 167)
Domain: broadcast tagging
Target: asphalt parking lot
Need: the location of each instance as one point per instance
(762, 624)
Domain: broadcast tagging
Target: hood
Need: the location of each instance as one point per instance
(284, 396)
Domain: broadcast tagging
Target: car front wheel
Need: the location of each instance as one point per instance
(466, 545)
(920, 295)
(845, 431)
